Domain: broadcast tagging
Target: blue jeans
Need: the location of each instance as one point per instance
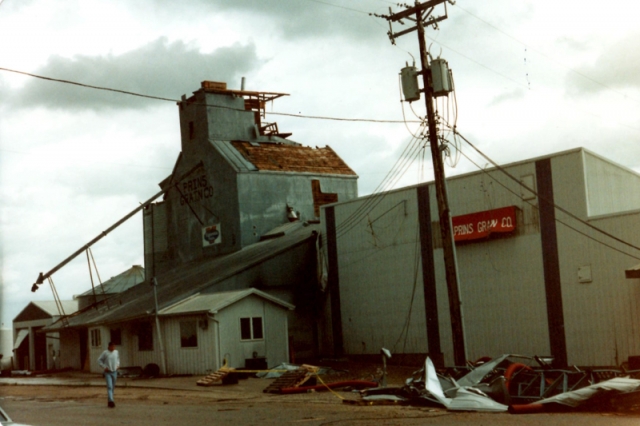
(111, 377)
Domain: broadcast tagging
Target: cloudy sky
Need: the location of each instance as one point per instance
(532, 78)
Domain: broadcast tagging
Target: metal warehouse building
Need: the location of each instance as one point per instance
(536, 274)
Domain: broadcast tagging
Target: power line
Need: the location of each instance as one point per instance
(563, 210)
(479, 63)
(532, 204)
(526, 86)
(88, 86)
(338, 6)
(506, 34)
(313, 117)
(141, 95)
(581, 74)
(318, 117)
(398, 169)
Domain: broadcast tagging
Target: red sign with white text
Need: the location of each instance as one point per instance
(479, 225)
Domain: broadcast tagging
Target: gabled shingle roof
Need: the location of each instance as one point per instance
(292, 158)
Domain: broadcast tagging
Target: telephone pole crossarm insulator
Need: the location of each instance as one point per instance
(412, 11)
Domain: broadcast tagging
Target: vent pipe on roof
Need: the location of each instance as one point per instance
(242, 84)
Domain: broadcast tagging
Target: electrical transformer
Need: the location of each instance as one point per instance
(440, 77)
(410, 88)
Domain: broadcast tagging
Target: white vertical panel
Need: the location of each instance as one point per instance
(502, 284)
(143, 358)
(95, 352)
(602, 316)
(276, 334)
(610, 187)
(380, 274)
(70, 349)
(501, 280)
(198, 360)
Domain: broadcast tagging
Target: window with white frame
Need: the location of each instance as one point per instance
(251, 328)
(96, 340)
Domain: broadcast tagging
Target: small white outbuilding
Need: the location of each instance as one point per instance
(244, 327)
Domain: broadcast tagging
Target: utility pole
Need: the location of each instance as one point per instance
(421, 14)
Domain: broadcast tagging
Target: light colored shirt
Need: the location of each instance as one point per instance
(109, 359)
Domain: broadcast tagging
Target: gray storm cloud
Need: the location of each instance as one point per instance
(159, 68)
(297, 19)
(512, 95)
(616, 68)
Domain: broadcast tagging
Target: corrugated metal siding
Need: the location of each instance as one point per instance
(231, 347)
(142, 358)
(500, 303)
(125, 349)
(503, 297)
(233, 156)
(275, 344)
(229, 123)
(380, 275)
(70, 349)
(96, 351)
(276, 334)
(6, 348)
(610, 187)
(603, 315)
(501, 280)
(212, 201)
(155, 237)
(196, 360)
(263, 199)
(570, 193)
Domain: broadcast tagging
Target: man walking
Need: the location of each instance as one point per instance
(110, 362)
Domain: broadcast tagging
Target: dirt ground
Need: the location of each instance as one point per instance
(78, 386)
(80, 399)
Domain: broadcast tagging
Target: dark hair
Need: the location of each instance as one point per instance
(111, 344)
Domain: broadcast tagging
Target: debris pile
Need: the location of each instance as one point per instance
(500, 385)
(512, 383)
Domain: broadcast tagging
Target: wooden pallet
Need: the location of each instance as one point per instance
(292, 379)
(214, 377)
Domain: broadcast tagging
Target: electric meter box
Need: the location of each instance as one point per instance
(410, 88)
(440, 78)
